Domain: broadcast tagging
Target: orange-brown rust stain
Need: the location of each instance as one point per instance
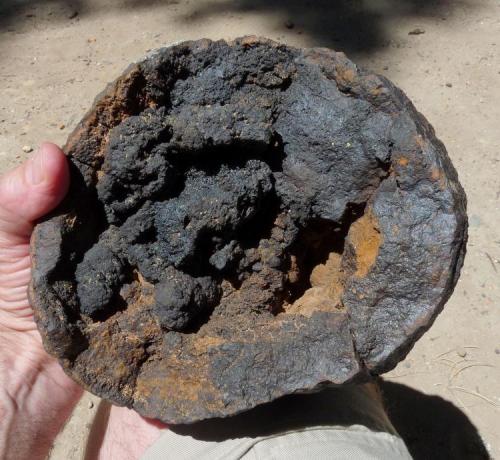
(365, 238)
(419, 140)
(437, 175)
(403, 161)
(173, 385)
(436, 276)
(345, 75)
(202, 344)
(294, 272)
(327, 287)
(112, 354)
(373, 86)
(108, 111)
(330, 276)
(252, 40)
(314, 299)
(182, 382)
(376, 91)
(112, 107)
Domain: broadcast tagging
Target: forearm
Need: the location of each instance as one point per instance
(36, 398)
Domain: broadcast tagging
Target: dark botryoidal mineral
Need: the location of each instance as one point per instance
(246, 220)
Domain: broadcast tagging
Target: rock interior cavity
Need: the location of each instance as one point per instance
(246, 220)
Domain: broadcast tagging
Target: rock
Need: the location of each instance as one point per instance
(416, 31)
(27, 148)
(180, 298)
(245, 220)
(98, 278)
(461, 352)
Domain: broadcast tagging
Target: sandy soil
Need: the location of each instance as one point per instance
(56, 55)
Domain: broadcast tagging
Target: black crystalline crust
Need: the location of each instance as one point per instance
(246, 220)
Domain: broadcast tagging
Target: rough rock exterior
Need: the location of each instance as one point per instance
(246, 220)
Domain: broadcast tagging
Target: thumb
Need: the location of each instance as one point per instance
(32, 190)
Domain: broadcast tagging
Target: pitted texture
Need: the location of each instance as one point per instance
(245, 220)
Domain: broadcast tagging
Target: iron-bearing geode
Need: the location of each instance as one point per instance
(245, 220)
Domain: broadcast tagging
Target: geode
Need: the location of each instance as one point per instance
(245, 220)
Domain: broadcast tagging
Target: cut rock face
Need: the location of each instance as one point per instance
(246, 220)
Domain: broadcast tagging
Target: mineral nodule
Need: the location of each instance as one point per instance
(245, 220)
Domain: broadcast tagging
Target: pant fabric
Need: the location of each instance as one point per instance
(336, 423)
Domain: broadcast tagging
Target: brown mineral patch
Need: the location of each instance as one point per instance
(167, 387)
(110, 110)
(345, 75)
(365, 238)
(327, 281)
(330, 276)
(437, 175)
(202, 344)
(170, 380)
(403, 161)
(376, 91)
(293, 273)
(420, 141)
(314, 299)
(250, 40)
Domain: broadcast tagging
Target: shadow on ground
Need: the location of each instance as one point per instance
(18, 15)
(432, 427)
(356, 26)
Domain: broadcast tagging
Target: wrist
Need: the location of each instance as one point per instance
(36, 397)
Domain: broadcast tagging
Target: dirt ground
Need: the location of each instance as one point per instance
(56, 55)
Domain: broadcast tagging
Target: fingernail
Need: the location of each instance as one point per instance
(36, 173)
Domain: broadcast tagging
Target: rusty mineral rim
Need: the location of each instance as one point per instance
(245, 220)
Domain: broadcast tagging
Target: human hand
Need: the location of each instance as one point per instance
(36, 396)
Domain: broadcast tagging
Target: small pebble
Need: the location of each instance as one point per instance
(497, 351)
(461, 352)
(91, 405)
(73, 15)
(289, 24)
(62, 126)
(449, 85)
(416, 31)
(27, 149)
(386, 67)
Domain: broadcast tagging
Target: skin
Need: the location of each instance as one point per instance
(36, 396)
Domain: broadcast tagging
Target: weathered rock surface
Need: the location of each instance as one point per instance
(245, 220)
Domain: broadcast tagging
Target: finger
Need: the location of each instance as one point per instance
(32, 190)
